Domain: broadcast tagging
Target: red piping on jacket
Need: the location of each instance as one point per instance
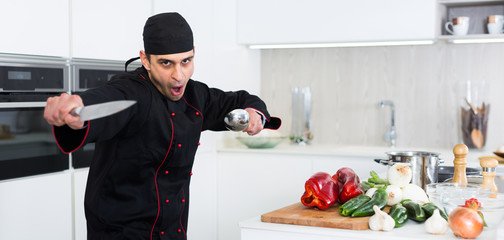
(155, 180)
(142, 76)
(202, 118)
(182, 212)
(80, 145)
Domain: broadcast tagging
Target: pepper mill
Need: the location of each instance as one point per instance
(488, 167)
(459, 163)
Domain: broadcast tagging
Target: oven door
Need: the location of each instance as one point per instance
(91, 73)
(27, 145)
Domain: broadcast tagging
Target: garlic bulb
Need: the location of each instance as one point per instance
(381, 221)
(436, 224)
(399, 174)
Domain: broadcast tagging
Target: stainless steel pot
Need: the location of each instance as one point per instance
(424, 165)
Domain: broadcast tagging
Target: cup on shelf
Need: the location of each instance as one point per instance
(495, 24)
(458, 26)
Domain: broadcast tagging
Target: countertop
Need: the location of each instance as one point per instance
(255, 229)
(358, 151)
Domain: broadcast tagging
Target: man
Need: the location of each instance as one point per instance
(138, 183)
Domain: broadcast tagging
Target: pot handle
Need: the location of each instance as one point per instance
(385, 162)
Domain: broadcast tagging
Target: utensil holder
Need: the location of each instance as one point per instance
(301, 116)
(474, 112)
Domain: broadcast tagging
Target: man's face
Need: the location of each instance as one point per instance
(170, 73)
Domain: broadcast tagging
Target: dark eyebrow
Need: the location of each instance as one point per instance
(162, 60)
(188, 58)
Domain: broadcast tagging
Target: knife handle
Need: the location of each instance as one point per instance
(76, 111)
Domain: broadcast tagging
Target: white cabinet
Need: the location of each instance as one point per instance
(108, 29)
(254, 182)
(323, 21)
(79, 181)
(35, 27)
(250, 184)
(37, 207)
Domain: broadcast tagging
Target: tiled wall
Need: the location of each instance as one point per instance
(348, 83)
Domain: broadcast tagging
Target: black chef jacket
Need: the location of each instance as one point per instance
(138, 183)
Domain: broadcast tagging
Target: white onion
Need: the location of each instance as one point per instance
(399, 174)
(370, 192)
(394, 194)
(415, 193)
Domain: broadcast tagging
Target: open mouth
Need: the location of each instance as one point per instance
(177, 90)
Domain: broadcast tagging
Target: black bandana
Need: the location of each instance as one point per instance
(167, 33)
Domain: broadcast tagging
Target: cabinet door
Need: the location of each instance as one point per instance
(253, 184)
(80, 179)
(108, 29)
(35, 27)
(322, 21)
(36, 207)
(203, 197)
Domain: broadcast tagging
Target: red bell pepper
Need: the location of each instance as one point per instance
(348, 184)
(321, 191)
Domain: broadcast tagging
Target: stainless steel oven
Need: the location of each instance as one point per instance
(91, 73)
(26, 78)
(87, 74)
(27, 145)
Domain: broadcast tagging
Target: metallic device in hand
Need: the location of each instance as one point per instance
(101, 109)
(237, 120)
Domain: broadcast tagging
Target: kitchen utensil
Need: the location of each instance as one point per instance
(500, 154)
(237, 120)
(298, 214)
(424, 165)
(477, 138)
(100, 110)
(489, 167)
(476, 135)
(459, 163)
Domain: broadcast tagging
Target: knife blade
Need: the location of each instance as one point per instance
(100, 110)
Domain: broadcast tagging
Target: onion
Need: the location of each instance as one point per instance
(370, 192)
(465, 222)
(394, 194)
(399, 174)
(414, 193)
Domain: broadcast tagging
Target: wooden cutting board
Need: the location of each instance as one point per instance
(298, 214)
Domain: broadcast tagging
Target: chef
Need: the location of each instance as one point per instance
(138, 183)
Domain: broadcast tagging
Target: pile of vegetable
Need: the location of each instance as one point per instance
(407, 201)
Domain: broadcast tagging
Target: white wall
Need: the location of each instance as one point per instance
(348, 83)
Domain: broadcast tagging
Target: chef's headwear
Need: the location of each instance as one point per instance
(167, 33)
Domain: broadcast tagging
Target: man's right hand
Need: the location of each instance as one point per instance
(57, 111)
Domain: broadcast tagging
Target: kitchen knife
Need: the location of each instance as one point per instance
(101, 109)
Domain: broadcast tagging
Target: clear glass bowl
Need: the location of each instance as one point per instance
(449, 196)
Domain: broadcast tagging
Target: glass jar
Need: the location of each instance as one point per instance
(474, 110)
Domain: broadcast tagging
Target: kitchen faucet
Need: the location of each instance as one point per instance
(390, 136)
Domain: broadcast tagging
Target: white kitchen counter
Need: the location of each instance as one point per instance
(280, 173)
(351, 151)
(253, 229)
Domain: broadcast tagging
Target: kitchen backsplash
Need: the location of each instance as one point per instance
(422, 81)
